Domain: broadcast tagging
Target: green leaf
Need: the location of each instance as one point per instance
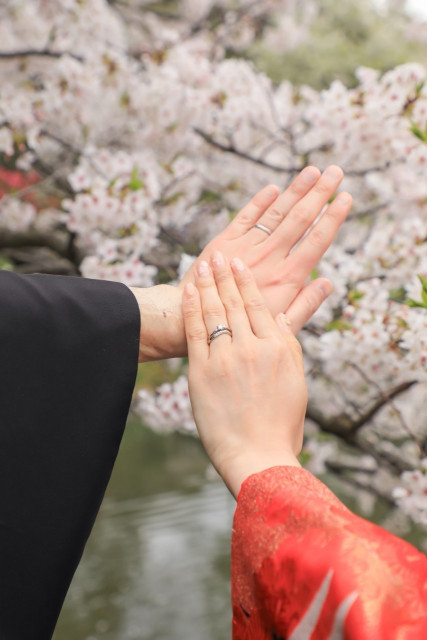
(416, 303)
(419, 88)
(135, 183)
(402, 323)
(209, 196)
(398, 295)
(314, 274)
(304, 457)
(354, 296)
(173, 198)
(415, 129)
(338, 325)
(413, 303)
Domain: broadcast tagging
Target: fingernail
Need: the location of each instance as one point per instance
(309, 175)
(218, 259)
(237, 264)
(285, 322)
(190, 290)
(333, 172)
(203, 268)
(343, 198)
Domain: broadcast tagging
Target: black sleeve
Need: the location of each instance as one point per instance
(69, 352)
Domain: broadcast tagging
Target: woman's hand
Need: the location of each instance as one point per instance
(280, 269)
(247, 391)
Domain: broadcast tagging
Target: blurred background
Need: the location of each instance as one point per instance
(157, 564)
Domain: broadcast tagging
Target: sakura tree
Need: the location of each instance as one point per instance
(139, 134)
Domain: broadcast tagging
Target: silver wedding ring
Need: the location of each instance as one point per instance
(220, 330)
(261, 226)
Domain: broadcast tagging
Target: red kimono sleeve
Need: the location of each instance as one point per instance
(304, 567)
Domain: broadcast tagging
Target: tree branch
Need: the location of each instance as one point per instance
(368, 212)
(241, 154)
(27, 53)
(357, 483)
(230, 148)
(343, 425)
(388, 399)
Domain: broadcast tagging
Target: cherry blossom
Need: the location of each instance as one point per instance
(152, 134)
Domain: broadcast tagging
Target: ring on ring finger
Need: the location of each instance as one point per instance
(220, 330)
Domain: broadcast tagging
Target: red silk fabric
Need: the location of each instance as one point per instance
(304, 567)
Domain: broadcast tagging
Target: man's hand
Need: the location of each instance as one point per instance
(280, 267)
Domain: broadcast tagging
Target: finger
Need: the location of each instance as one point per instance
(260, 318)
(195, 330)
(230, 296)
(285, 326)
(212, 307)
(251, 212)
(307, 303)
(279, 209)
(304, 213)
(305, 257)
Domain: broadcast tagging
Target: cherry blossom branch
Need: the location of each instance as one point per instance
(241, 154)
(343, 425)
(388, 399)
(342, 472)
(369, 212)
(27, 53)
(230, 148)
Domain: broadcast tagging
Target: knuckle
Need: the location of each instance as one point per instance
(255, 304)
(249, 359)
(333, 212)
(242, 219)
(302, 214)
(223, 276)
(232, 302)
(258, 201)
(293, 275)
(196, 334)
(276, 214)
(206, 282)
(190, 312)
(244, 280)
(212, 311)
(311, 302)
(322, 188)
(297, 187)
(317, 237)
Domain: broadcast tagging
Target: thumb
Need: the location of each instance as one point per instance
(285, 327)
(284, 323)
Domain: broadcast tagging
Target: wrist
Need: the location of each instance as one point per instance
(162, 327)
(234, 473)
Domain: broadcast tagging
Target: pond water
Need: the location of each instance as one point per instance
(157, 563)
(156, 566)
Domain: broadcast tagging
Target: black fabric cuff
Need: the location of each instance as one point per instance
(69, 350)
